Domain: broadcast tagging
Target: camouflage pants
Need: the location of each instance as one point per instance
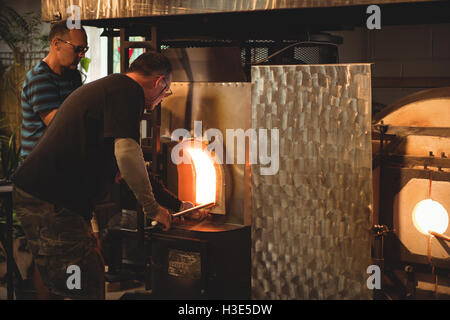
(58, 239)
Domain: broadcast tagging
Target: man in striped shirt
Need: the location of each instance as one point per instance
(45, 88)
(49, 83)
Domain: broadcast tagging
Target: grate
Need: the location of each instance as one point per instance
(258, 51)
(307, 55)
(258, 54)
(254, 52)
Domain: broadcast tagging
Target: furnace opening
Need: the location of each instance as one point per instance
(205, 175)
(430, 216)
(201, 178)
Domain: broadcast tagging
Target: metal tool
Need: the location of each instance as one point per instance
(155, 224)
(181, 213)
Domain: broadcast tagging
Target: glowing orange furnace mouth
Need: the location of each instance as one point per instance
(205, 175)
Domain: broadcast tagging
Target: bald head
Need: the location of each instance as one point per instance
(59, 29)
(67, 46)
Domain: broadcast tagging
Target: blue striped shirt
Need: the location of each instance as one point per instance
(43, 90)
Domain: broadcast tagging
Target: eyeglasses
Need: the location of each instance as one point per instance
(76, 49)
(168, 91)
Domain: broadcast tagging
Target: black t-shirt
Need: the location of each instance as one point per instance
(73, 164)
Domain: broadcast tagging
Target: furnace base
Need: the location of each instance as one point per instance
(207, 260)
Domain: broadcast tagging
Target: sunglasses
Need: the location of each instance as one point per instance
(76, 49)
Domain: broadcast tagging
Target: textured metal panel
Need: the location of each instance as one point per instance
(311, 221)
(219, 106)
(107, 9)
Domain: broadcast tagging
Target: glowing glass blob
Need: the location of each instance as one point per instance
(429, 215)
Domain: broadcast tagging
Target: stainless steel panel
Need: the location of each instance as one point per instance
(107, 9)
(201, 64)
(311, 221)
(220, 106)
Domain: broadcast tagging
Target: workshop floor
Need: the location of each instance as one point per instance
(113, 291)
(137, 292)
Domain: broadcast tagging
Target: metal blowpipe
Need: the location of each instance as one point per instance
(439, 235)
(181, 213)
(155, 224)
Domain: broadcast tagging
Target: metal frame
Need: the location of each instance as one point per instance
(7, 241)
(327, 16)
(153, 150)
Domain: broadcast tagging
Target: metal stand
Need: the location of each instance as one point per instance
(410, 283)
(378, 257)
(151, 152)
(11, 267)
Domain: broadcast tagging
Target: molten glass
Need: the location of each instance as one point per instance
(205, 175)
(430, 216)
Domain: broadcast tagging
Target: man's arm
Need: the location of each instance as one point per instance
(163, 195)
(130, 161)
(43, 96)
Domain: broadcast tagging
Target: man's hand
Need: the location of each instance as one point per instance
(164, 217)
(198, 215)
(186, 205)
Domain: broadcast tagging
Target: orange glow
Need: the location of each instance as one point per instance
(429, 215)
(205, 175)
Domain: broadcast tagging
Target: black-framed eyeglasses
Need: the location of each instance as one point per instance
(76, 49)
(168, 91)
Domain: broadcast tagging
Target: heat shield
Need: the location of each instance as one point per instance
(311, 220)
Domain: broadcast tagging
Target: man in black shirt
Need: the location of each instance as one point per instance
(95, 134)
